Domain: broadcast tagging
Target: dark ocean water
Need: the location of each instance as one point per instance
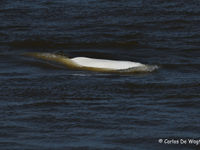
(50, 107)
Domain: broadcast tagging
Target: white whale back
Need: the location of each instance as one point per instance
(96, 65)
(104, 63)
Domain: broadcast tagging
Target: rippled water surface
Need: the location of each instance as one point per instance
(47, 106)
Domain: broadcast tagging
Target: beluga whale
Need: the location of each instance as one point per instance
(94, 64)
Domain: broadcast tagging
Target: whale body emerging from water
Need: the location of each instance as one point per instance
(104, 63)
(92, 64)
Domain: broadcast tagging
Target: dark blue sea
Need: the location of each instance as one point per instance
(46, 106)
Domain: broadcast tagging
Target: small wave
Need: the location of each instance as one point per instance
(48, 44)
(145, 68)
(12, 74)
